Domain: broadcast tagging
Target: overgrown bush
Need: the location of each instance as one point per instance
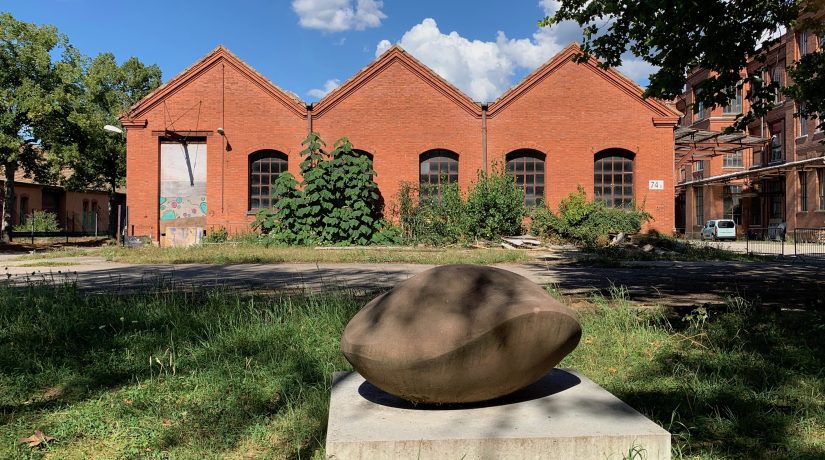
(586, 222)
(431, 219)
(337, 201)
(216, 235)
(494, 207)
(39, 221)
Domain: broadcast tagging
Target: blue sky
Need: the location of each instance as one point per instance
(310, 46)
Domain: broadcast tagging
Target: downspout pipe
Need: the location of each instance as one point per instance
(484, 137)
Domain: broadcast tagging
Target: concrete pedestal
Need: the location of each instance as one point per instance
(563, 416)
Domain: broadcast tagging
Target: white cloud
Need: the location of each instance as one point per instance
(485, 69)
(329, 85)
(339, 15)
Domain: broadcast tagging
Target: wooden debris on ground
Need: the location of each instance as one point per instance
(521, 242)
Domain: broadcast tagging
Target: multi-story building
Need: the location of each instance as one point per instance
(772, 176)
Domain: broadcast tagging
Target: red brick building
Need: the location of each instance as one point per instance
(564, 125)
(777, 178)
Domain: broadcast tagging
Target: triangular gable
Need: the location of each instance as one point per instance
(662, 113)
(218, 55)
(393, 55)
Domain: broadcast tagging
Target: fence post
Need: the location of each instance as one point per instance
(32, 230)
(118, 227)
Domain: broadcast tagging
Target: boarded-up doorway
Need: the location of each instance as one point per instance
(182, 192)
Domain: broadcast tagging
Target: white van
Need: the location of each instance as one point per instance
(719, 229)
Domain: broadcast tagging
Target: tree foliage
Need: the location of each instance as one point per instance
(718, 35)
(98, 158)
(39, 77)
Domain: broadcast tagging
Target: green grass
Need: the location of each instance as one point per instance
(245, 253)
(49, 263)
(169, 373)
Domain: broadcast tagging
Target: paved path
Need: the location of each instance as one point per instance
(791, 284)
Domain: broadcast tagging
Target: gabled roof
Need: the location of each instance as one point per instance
(625, 84)
(396, 54)
(217, 55)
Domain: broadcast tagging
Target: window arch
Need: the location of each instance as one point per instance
(437, 169)
(264, 167)
(613, 178)
(527, 168)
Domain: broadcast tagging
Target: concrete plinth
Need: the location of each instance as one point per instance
(563, 416)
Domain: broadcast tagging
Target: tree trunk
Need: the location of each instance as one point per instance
(8, 201)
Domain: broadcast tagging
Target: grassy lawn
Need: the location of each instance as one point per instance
(253, 253)
(222, 374)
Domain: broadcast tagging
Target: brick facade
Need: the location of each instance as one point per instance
(770, 181)
(396, 109)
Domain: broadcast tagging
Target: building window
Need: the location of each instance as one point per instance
(732, 203)
(776, 77)
(803, 191)
(698, 165)
(527, 168)
(613, 178)
(776, 143)
(820, 175)
(682, 174)
(803, 122)
(438, 169)
(700, 111)
(733, 160)
(734, 105)
(802, 42)
(700, 206)
(264, 167)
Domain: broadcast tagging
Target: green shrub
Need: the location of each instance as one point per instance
(495, 205)
(39, 221)
(219, 235)
(336, 203)
(586, 222)
(431, 219)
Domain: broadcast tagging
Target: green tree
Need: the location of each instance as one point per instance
(39, 76)
(717, 35)
(97, 158)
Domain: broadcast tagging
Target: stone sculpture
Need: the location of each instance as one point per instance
(459, 333)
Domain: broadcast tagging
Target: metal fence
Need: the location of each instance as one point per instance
(775, 241)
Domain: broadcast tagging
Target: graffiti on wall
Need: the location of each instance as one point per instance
(182, 237)
(182, 180)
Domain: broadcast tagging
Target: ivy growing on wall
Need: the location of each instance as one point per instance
(337, 201)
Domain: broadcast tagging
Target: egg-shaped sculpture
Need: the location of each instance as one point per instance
(459, 333)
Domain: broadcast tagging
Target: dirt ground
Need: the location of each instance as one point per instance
(790, 283)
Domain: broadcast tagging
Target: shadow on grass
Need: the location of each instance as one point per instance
(739, 384)
(191, 373)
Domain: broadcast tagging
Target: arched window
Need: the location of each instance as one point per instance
(527, 167)
(613, 178)
(438, 168)
(264, 167)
